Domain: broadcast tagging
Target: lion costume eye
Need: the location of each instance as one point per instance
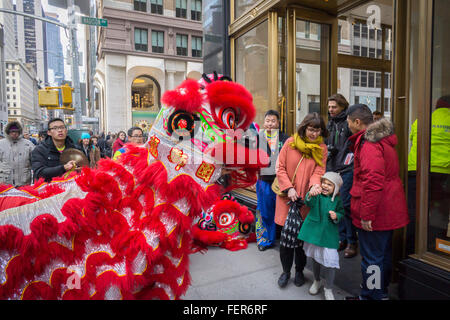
(182, 124)
(228, 116)
(225, 219)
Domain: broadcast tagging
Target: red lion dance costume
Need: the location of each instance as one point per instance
(124, 230)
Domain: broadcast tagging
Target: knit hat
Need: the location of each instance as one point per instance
(336, 179)
(85, 135)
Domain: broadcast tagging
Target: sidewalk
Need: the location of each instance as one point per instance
(247, 274)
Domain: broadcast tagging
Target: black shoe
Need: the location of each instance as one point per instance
(284, 279)
(263, 248)
(353, 298)
(342, 245)
(299, 278)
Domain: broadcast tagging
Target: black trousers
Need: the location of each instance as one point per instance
(287, 256)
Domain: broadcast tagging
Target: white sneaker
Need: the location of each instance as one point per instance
(315, 287)
(328, 294)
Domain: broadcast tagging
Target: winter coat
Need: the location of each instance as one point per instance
(340, 158)
(377, 192)
(318, 228)
(117, 145)
(308, 174)
(45, 159)
(94, 156)
(15, 158)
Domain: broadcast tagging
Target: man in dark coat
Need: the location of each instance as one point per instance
(378, 204)
(45, 157)
(340, 160)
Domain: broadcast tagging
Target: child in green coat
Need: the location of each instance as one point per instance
(320, 232)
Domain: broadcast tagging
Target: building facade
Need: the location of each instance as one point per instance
(22, 96)
(55, 57)
(388, 54)
(148, 47)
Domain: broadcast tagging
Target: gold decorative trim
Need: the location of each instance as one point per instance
(259, 9)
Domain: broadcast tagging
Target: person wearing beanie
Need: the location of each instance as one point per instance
(320, 232)
(15, 156)
(439, 169)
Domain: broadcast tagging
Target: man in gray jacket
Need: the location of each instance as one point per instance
(15, 156)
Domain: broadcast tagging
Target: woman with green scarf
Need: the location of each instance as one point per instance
(303, 157)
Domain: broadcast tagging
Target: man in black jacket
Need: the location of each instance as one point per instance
(340, 159)
(45, 157)
(273, 139)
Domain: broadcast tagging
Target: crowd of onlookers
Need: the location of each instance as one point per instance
(24, 158)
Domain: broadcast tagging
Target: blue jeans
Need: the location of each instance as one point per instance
(376, 255)
(266, 206)
(347, 231)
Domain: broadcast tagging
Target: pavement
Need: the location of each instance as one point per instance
(250, 274)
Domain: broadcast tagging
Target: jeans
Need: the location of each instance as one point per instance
(376, 263)
(266, 206)
(347, 231)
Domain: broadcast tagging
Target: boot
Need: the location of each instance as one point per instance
(350, 251)
(315, 287)
(299, 278)
(328, 294)
(284, 279)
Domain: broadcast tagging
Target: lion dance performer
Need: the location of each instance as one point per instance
(124, 230)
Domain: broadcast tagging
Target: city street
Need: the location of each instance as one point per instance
(246, 274)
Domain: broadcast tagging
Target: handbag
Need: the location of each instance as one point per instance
(292, 225)
(276, 187)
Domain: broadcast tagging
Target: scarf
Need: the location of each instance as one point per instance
(309, 149)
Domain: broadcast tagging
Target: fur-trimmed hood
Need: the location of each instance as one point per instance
(13, 123)
(378, 130)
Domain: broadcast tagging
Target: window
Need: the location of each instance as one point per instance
(364, 31)
(387, 83)
(196, 10)
(339, 33)
(156, 6)
(378, 79)
(356, 78)
(140, 39)
(371, 80)
(356, 31)
(371, 52)
(181, 9)
(356, 51)
(140, 5)
(182, 41)
(158, 41)
(197, 47)
(363, 51)
(307, 29)
(363, 78)
(372, 34)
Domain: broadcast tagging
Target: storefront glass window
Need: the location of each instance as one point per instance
(241, 6)
(252, 67)
(145, 97)
(439, 179)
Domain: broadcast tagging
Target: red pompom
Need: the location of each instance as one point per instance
(185, 97)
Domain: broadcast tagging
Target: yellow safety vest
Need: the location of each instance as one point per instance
(440, 142)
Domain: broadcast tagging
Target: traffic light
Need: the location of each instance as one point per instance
(48, 98)
(66, 95)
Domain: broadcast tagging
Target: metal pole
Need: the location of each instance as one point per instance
(92, 49)
(75, 65)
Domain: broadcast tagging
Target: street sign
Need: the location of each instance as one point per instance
(94, 21)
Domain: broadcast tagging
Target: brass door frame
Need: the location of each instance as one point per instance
(328, 70)
(421, 97)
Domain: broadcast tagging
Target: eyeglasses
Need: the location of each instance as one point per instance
(136, 136)
(315, 130)
(58, 128)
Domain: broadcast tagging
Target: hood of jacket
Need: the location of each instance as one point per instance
(15, 123)
(378, 130)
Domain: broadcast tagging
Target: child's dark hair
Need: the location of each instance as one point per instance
(273, 113)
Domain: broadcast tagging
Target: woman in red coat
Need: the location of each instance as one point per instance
(378, 204)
